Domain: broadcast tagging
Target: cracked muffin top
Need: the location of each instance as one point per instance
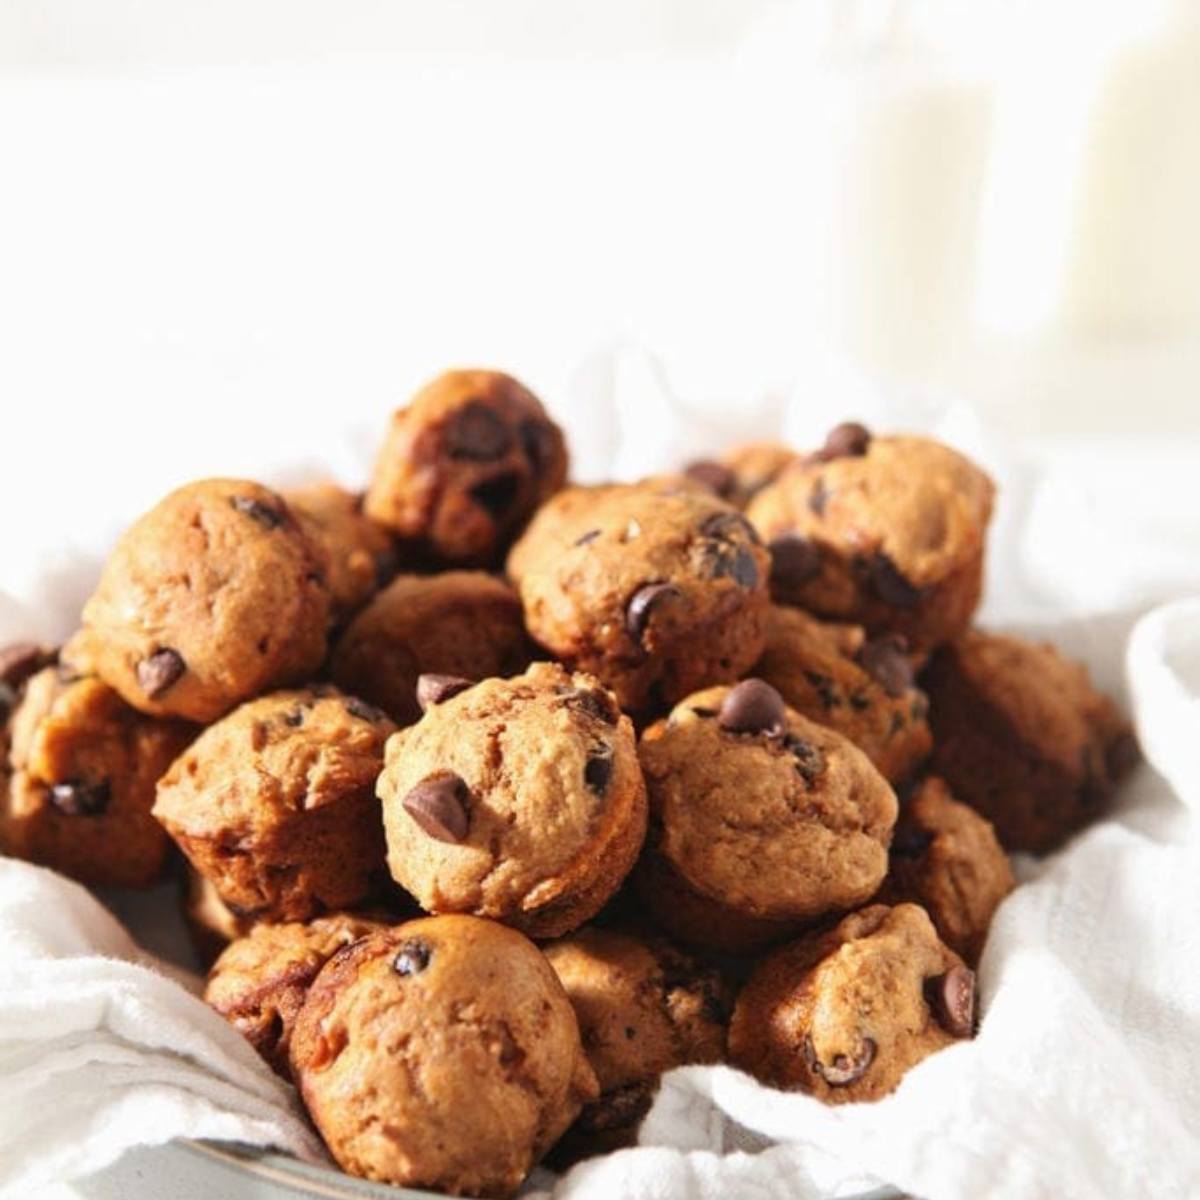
(214, 595)
(441, 1053)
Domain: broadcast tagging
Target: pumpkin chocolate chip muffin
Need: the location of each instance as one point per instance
(886, 532)
(845, 1014)
(761, 820)
(213, 596)
(275, 805)
(442, 1053)
(656, 588)
(464, 465)
(518, 799)
(82, 768)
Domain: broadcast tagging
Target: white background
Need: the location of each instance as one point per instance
(230, 231)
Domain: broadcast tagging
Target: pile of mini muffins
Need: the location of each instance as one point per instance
(500, 797)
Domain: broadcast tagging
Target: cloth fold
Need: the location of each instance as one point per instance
(103, 1048)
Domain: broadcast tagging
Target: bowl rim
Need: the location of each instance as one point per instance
(329, 1183)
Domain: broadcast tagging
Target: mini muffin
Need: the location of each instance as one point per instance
(259, 982)
(1021, 735)
(945, 857)
(643, 1008)
(761, 820)
(862, 687)
(886, 532)
(83, 769)
(465, 464)
(656, 588)
(465, 624)
(359, 555)
(845, 1014)
(740, 473)
(213, 596)
(275, 804)
(518, 799)
(481, 1068)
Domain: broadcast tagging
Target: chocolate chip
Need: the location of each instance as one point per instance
(78, 799)
(437, 689)
(595, 703)
(584, 538)
(160, 672)
(860, 701)
(598, 772)
(952, 998)
(732, 562)
(705, 712)
(715, 476)
(844, 1069)
(477, 433)
(910, 841)
(818, 497)
(847, 440)
(20, 660)
(295, 718)
(745, 569)
(645, 599)
(825, 689)
(728, 526)
(885, 660)
(363, 711)
(439, 806)
(890, 584)
(753, 706)
(794, 560)
(539, 442)
(412, 957)
(497, 495)
(810, 762)
(256, 510)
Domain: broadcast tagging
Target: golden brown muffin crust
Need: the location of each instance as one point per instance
(481, 1068)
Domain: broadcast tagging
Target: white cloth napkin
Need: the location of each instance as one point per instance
(101, 1048)
(1085, 1077)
